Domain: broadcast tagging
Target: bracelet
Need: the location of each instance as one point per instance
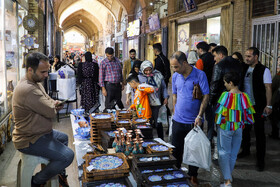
(199, 117)
(270, 107)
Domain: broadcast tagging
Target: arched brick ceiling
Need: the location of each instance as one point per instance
(76, 28)
(87, 25)
(89, 21)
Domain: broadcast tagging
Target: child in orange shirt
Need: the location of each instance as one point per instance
(141, 100)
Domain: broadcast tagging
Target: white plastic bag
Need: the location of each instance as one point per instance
(170, 129)
(162, 116)
(66, 88)
(197, 149)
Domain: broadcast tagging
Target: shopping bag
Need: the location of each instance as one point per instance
(66, 88)
(162, 116)
(170, 129)
(197, 149)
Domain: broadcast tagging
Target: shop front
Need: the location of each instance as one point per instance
(212, 25)
(133, 36)
(11, 58)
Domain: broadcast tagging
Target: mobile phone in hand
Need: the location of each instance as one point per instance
(64, 101)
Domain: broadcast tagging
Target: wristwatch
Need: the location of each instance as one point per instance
(270, 107)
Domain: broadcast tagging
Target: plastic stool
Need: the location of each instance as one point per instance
(26, 167)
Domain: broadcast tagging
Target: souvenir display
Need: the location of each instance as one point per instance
(112, 185)
(158, 148)
(106, 162)
(29, 41)
(101, 116)
(125, 123)
(165, 177)
(123, 114)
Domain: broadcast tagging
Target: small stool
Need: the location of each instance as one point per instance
(26, 167)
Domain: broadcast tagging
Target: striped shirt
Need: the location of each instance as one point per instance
(110, 71)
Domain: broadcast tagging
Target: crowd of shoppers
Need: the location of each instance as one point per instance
(236, 96)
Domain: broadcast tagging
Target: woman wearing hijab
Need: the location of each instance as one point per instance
(57, 64)
(154, 78)
(88, 80)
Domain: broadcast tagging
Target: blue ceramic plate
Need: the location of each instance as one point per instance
(102, 116)
(123, 121)
(145, 144)
(169, 169)
(165, 158)
(112, 185)
(106, 162)
(168, 177)
(159, 170)
(143, 159)
(178, 175)
(139, 120)
(159, 148)
(156, 158)
(123, 112)
(154, 178)
(147, 171)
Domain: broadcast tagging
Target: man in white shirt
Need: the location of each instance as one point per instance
(257, 84)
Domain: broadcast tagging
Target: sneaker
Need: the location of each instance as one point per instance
(62, 178)
(225, 185)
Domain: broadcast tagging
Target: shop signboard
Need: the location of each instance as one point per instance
(190, 5)
(154, 22)
(133, 28)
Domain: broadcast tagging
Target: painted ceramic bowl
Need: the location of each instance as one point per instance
(145, 144)
(78, 112)
(155, 178)
(168, 177)
(106, 162)
(101, 116)
(112, 185)
(159, 148)
(82, 133)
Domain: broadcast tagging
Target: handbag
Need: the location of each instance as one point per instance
(197, 94)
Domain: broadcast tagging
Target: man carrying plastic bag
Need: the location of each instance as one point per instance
(197, 149)
(190, 97)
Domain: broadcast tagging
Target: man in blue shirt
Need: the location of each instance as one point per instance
(187, 111)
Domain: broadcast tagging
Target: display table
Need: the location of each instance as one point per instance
(81, 148)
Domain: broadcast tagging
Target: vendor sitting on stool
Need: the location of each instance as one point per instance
(33, 112)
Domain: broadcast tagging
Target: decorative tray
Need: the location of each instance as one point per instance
(158, 148)
(101, 117)
(153, 160)
(165, 177)
(105, 166)
(140, 121)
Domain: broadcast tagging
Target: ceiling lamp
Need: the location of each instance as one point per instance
(81, 20)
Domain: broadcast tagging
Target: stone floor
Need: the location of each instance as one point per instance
(244, 174)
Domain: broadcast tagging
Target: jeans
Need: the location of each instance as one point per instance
(52, 146)
(179, 132)
(228, 146)
(155, 111)
(260, 138)
(210, 117)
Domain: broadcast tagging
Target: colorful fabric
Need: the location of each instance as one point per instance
(141, 102)
(233, 111)
(110, 71)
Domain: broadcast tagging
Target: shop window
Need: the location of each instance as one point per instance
(198, 27)
(11, 48)
(261, 7)
(266, 39)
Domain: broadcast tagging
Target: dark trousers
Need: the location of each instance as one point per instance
(179, 132)
(260, 138)
(155, 110)
(210, 117)
(114, 92)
